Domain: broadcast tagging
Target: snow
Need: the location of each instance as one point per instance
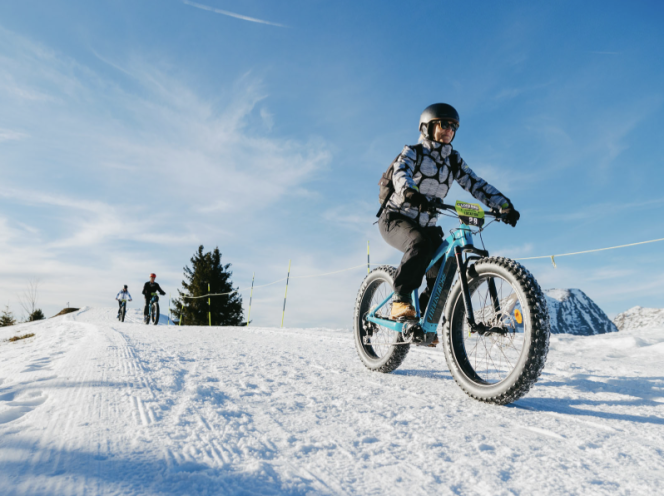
(558, 294)
(90, 405)
(639, 317)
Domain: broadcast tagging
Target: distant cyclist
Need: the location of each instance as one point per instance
(122, 296)
(149, 288)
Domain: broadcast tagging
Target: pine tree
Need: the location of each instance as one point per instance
(206, 268)
(7, 318)
(36, 315)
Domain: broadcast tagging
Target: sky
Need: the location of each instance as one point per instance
(133, 132)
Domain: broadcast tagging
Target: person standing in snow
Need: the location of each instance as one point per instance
(121, 296)
(149, 288)
(408, 223)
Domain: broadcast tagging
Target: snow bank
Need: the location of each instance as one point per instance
(639, 318)
(90, 405)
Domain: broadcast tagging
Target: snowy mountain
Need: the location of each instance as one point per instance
(572, 312)
(92, 406)
(639, 317)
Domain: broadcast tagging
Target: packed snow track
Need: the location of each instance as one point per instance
(93, 406)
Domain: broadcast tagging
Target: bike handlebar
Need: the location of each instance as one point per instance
(438, 204)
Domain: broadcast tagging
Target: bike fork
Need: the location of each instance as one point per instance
(494, 295)
(461, 267)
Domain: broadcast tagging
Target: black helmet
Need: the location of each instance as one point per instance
(125, 286)
(436, 112)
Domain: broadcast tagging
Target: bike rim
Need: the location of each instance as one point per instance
(379, 339)
(491, 358)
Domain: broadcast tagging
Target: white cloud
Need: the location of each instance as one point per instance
(10, 135)
(230, 14)
(268, 118)
(123, 178)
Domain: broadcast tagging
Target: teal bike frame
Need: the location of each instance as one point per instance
(451, 251)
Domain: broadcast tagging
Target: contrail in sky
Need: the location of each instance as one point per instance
(231, 14)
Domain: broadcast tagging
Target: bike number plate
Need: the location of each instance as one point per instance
(470, 214)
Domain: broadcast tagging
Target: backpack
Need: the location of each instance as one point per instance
(386, 186)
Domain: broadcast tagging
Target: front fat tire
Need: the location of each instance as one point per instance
(155, 313)
(536, 341)
(122, 314)
(396, 354)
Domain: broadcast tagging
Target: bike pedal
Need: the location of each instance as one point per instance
(405, 319)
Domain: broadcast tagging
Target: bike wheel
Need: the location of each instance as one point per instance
(497, 367)
(155, 313)
(380, 349)
(123, 311)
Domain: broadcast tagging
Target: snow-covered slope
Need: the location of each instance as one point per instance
(639, 317)
(572, 312)
(92, 406)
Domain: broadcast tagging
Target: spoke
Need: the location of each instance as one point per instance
(495, 359)
(382, 338)
(492, 362)
(503, 353)
(491, 358)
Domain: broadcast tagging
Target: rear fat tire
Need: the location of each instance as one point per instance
(395, 355)
(155, 313)
(536, 334)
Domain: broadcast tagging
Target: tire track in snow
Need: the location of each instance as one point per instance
(268, 411)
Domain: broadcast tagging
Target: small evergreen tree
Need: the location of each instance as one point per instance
(206, 268)
(7, 318)
(36, 315)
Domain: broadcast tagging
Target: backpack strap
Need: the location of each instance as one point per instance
(455, 164)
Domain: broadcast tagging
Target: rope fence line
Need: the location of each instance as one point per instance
(553, 257)
(239, 290)
(368, 264)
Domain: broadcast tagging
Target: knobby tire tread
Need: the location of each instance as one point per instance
(539, 346)
(155, 313)
(398, 352)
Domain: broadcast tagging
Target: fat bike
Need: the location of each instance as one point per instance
(123, 310)
(495, 322)
(153, 310)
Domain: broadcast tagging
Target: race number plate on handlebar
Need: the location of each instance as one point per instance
(470, 214)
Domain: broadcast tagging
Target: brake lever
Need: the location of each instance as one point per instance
(501, 216)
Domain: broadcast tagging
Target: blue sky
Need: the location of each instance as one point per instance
(131, 132)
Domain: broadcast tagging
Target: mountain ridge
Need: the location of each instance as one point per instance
(573, 312)
(639, 317)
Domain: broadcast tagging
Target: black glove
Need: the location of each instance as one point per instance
(417, 199)
(511, 217)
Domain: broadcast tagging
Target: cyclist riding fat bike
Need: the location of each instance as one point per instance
(122, 295)
(149, 288)
(421, 173)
